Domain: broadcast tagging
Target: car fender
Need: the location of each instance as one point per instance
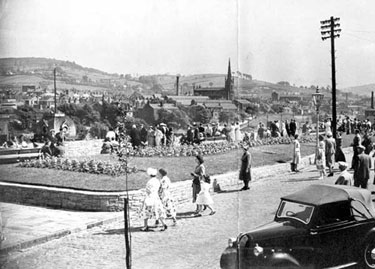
(228, 259)
(283, 258)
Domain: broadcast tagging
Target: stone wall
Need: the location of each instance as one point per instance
(114, 201)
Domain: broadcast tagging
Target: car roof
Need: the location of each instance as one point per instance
(319, 194)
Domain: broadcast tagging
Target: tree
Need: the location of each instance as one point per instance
(200, 114)
(227, 116)
(176, 116)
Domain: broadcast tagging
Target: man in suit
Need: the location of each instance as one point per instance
(245, 171)
(330, 152)
(362, 168)
(355, 144)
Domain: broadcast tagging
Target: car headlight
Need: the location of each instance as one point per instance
(232, 242)
(258, 250)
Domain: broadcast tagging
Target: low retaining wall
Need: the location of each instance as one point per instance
(114, 201)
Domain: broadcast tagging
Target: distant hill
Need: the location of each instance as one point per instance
(16, 72)
(361, 90)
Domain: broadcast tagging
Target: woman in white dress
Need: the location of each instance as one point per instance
(152, 206)
(237, 132)
(232, 135)
(321, 158)
(296, 154)
(166, 197)
(204, 197)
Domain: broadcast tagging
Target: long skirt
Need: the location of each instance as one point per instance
(196, 190)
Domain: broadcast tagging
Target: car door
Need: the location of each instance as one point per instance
(332, 236)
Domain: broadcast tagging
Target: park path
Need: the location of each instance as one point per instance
(192, 243)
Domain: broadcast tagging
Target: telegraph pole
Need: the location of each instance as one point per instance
(332, 32)
(54, 86)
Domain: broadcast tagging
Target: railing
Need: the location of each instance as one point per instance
(18, 154)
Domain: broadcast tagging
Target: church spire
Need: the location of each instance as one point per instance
(229, 75)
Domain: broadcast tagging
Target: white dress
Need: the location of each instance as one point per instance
(204, 196)
(152, 205)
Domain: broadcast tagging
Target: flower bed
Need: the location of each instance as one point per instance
(205, 149)
(85, 166)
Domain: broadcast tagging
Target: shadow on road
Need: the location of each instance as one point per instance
(186, 215)
(302, 179)
(228, 191)
(132, 230)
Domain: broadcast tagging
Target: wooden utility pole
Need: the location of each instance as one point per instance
(333, 32)
(54, 86)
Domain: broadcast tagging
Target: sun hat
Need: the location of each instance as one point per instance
(343, 165)
(152, 171)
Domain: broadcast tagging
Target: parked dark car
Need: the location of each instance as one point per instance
(322, 226)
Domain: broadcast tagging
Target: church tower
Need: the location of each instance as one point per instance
(229, 81)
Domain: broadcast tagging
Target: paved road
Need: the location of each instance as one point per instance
(192, 243)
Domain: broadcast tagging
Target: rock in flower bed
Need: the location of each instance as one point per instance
(205, 149)
(85, 166)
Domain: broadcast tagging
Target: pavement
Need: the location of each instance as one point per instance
(95, 239)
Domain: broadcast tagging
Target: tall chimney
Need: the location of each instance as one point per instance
(372, 100)
(177, 86)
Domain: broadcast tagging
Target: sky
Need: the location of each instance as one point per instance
(272, 40)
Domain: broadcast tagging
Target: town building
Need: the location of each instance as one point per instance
(226, 93)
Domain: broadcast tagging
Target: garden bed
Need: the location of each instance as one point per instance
(178, 168)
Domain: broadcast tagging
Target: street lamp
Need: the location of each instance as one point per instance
(317, 99)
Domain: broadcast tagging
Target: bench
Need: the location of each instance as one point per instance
(8, 156)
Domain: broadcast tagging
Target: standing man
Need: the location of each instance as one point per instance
(245, 172)
(362, 168)
(293, 127)
(330, 152)
(355, 144)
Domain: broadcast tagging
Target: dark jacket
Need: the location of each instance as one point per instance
(362, 167)
(245, 171)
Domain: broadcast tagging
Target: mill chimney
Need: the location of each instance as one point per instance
(177, 86)
(372, 100)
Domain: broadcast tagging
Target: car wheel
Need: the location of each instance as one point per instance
(369, 254)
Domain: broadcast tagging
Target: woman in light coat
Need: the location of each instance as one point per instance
(296, 154)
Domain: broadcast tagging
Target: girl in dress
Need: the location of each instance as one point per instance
(321, 159)
(166, 197)
(204, 197)
(152, 206)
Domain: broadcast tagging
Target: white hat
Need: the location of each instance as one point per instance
(343, 165)
(152, 171)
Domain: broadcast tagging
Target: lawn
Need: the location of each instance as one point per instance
(178, 168)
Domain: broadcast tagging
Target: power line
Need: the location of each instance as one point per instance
(371, 41)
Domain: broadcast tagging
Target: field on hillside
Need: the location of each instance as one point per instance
(179, 168)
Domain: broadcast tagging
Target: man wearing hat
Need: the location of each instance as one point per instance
(330, 152)
(362, 168)
(245, 171)
(345, 178)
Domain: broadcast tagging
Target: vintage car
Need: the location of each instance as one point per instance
(321, 226)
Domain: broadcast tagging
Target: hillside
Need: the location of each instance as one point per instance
(361, 90)
(15, 72)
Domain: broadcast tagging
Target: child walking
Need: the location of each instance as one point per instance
(204, 198)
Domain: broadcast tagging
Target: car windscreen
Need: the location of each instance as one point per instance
(297, 211)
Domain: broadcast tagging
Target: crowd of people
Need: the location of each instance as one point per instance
(54, 143)
(19, 142)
